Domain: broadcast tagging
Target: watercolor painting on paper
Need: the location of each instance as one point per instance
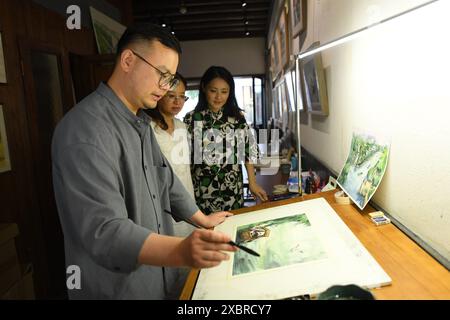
(364, 168)
(280, 242)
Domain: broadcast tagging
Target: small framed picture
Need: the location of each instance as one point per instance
(297, 14)
(2, 62)
(275, 102)
(5, 164)
(301, 90)
(276, 54)
(283, 33)
(273, 64)
(315, 85)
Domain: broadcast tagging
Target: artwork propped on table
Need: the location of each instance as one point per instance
(280, 242)
(305, 248)
(364, 168)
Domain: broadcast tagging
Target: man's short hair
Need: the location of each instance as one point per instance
(147, 32)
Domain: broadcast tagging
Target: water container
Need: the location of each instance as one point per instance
(294, 162)
(293, 182)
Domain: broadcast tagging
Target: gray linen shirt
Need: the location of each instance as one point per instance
(113, 187)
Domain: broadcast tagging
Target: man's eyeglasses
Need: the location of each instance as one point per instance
(165, 78)
(172, 96)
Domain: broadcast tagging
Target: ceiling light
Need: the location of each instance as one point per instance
(244, 4)
(247, 33)
(164, 25)
(246, 22)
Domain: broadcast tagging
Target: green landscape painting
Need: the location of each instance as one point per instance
(280, 242)
(107, 31)
(364, 168)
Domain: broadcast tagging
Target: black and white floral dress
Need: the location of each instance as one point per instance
(220, 144)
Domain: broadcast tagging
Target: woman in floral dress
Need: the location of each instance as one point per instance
(222, 140)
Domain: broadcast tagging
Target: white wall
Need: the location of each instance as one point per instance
(331, 19)
(393, 80)
(240, 56)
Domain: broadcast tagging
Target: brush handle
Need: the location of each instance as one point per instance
(250, 251)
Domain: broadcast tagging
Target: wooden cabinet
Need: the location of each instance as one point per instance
(14, 283)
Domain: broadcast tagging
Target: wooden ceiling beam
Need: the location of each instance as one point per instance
(219, 30)
(219, 24)
(222, 35)
(215, 10)
(206, 19)
(203, 18)
(143, 5)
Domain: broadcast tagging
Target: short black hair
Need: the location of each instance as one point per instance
(147, 32)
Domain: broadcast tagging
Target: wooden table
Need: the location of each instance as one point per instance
(414, 273)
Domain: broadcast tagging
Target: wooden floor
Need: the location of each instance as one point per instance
(414, 273)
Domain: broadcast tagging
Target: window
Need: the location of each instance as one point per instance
(249, 96)
(244, 97)
(190, 104)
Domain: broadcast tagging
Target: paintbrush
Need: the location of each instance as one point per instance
(250, 251)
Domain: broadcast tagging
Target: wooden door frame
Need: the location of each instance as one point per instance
(41, 219)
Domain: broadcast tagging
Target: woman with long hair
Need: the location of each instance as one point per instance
(222, 140)
(171, 135)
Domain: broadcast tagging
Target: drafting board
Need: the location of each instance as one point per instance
(336, 258)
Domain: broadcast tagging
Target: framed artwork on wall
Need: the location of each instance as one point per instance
(297, 77)
(315, 85)
(283, 33)
(297, 15)
(107, 31)
(281, 102)
(2, 62)
(275, 110)
(285, 104)
(273, 65)
(5, 164)
(293, 87)
(276, 54)
(284, 97)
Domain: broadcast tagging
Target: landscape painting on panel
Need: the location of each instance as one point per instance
(107, 32)
(280, 242)
(364, 168)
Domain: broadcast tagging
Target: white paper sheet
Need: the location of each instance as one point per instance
(332, 255)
